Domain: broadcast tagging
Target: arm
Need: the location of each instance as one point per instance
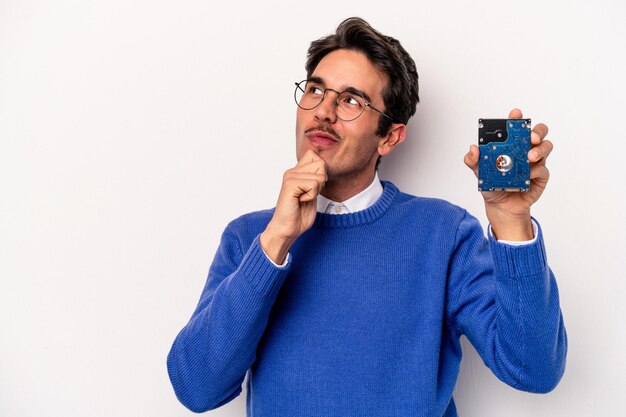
(211, 355)
(296, 207)
(504, 297)
(505, 300)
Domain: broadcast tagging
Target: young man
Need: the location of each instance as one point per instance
(349, 298)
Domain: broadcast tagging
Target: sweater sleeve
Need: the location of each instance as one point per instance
(211, 355)
(505, 300)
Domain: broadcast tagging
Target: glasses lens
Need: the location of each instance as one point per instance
(350, 105)
(308, 94)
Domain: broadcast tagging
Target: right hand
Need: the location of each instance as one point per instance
(296, 207)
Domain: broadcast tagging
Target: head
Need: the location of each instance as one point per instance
(358, 57)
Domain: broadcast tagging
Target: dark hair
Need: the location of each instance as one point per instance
(401, 94)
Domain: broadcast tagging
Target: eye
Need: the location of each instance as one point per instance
(314, 89)
(351, 100)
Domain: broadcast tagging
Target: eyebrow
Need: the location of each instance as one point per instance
(320, 80)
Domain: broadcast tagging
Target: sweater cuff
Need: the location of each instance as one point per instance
(524, 260)
(262, 274)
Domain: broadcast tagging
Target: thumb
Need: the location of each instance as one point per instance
(471, 159)
(515, 114)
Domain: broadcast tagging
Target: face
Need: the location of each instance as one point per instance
(348, 148)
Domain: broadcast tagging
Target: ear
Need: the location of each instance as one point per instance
(396, 136)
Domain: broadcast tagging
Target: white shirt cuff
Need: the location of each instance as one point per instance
(284, 264)
(518, 242)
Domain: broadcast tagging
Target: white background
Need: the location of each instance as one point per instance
(131, 132)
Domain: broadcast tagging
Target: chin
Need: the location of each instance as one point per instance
(307, 146)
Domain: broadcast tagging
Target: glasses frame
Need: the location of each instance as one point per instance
(335, 102)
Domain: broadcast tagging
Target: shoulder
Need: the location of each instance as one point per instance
(436, 223)
(247, 227)
(252, 218)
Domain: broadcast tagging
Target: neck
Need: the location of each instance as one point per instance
(341, 189)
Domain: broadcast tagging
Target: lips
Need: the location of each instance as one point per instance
(321, 138)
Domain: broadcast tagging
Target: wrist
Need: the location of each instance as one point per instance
(275, 246)
(510, 226)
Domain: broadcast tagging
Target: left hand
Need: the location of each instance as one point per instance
(509, 212)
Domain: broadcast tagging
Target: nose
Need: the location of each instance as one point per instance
(326, 110)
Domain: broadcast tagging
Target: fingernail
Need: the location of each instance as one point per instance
(535, 154)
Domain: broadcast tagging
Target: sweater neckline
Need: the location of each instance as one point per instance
(358, 218)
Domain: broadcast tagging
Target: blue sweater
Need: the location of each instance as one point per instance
(365, 319)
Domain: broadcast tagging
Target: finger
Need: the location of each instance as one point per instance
(314, 167)
(471, 159)
(307, 190)
(295, 181)
(539, 133)
(302, 187)
(535, 138)
(515, 114)
(541, 151)
(309, 156)
(539, 174)
(309, 163)
(293, 178)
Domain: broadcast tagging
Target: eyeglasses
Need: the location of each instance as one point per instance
(349, 104)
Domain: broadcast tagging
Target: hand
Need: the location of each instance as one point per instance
(509, 212)
(296, 207)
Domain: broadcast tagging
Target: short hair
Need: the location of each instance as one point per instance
(401, 94)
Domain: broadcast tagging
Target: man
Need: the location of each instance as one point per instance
(349, 298)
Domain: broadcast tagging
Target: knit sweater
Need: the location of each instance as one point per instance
(365, 319)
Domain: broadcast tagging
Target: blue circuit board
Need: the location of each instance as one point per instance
(503, 163)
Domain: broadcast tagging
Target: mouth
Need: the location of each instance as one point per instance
(321, 137)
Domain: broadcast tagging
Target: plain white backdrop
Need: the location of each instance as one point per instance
(132, 131)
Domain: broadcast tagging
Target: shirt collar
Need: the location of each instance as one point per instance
(359, 202)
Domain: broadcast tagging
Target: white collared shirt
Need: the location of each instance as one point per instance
(361, 201)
